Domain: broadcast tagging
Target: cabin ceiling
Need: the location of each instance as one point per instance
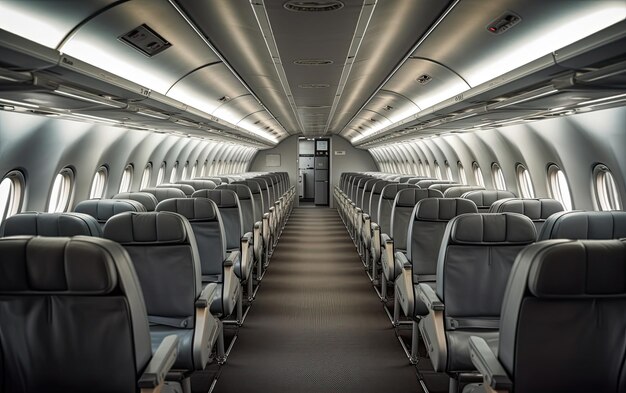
(258, 71)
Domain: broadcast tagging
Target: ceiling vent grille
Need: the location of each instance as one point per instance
(312, 62)
(145, 40)
(314, 86)
(313, 6)
(424, 79)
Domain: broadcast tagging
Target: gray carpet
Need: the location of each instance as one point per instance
(316, 325)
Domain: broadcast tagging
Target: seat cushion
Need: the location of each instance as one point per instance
(185, 344)
(458, 347)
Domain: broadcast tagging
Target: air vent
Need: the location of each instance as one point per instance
(387, 108)
(424, 79)
(314, 86)
(312, 62)
(145, 40)
(313, 6)
(503, 23)
(224, 99)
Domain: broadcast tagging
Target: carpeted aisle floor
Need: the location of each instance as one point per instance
(316, 325)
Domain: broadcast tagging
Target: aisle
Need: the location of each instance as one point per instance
(317, 325)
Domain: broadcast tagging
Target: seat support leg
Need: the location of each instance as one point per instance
(415, 336)
(396, 309)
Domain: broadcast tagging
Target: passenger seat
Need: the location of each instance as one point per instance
(585, 225)
(103, 209)
(165, 256)
(50, 224)
(73, 319)
(538, 210)
(485, 198)
(164, 193)
(148, 200)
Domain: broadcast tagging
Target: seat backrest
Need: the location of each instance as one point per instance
(265, 194)
(444, 187)
(225, 179)
(367, 193)
(375, 198)
(485, 198)
(148, 200)
(246, 204)
(50, 224)
(430, 217)
(215, 180)
(257, 198)
(228, 205)
(475, 260)
(457, 191)
(405, 178)
(597, 225)
(354, 187)
(103, 209)
(163, 249)
(360, 191)
(402, 213)
(271, 190)
(164, 193)
(205, 220)
(385, 206)
(186, 188)
(199, 184)
(538, 210)
(426, 183)
(563, 320)
(72, 316)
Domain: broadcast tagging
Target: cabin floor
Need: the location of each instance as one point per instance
(317, 324)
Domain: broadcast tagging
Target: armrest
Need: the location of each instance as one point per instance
(247, 237)
(206, 296)
(366, 216)
(160, 364)
(428, 296)
(488, 365)
(385, 239)
(232, 258)
(403, 261)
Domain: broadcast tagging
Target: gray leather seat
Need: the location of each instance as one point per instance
(148, 200)
(186, 188)
(360, 190)
(538, 210)
(415, 179)
(103, 209)
(163, 250)
(375, 199)
(367, 193)
(164, 193)
(236, 240)
(215, 180)
(265, 193)
(485, 198)
(246, 204)
(199, 184)
(401, 215)
(257, 198)
(419, 265)
(216, 267)
(73, 319)
(50, 224)
(476, 258)
(563, 321)
(585, 225)
(385, 206)
(458, 191)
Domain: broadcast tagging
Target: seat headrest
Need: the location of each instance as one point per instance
(51, 224)
(576, 268)
(485, 198)
(535, 209)
(199, 184)
(443, 209)
(429, 182)
(242, 191)
(410, 196)
(193, 209)
(223, 198)
(79, 265)
(146, 228)
(457, 191)
(370, 184)
(215, 180)
(443, 187)
(103, 209)
(164, 193)
(186, 188)
(378, 187)
(585, 225)
(390, 190)
(261, 182)
(492, 229)
(148, 200)
(252, 185)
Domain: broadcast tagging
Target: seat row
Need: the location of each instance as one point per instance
(450, 264)
(171, 268)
